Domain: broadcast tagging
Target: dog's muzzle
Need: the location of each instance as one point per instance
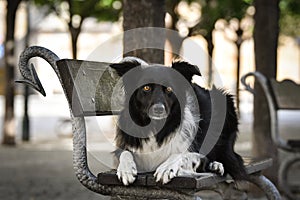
(158, 112)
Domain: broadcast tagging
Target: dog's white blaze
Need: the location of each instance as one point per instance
(151, 155)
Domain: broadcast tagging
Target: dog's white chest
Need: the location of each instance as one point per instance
(151, 156)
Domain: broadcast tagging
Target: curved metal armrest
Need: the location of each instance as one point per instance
(263, 81)
(79, 140)
(29, 74)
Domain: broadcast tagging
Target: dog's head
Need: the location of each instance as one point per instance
(154, 91)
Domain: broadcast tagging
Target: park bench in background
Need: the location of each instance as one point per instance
(89, 87)
(283, 95)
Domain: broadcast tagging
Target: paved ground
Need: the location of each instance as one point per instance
(32, 174)
(42, 169)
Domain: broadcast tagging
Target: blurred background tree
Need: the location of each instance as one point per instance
(74, 12)
(290, 21)
(143, 14)
(290, 17)
(9, 120)
(210, 12)
(266, 33)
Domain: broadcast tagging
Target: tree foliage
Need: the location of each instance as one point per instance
(290, 17)
(211, 12)
(103, 10)
(74, 12)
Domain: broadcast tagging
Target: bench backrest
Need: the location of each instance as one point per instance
(286, 94)
(92, 88)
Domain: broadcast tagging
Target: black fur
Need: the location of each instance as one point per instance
(186, 69)
(211, 106)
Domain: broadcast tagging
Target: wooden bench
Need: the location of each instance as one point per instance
(284, 95)
(91, 89)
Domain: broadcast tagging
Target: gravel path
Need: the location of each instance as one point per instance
(35, 174)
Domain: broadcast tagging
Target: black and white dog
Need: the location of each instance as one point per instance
(172, 126)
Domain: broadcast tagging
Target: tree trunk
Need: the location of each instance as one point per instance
(147, 44)
(9, 122)
(265, 45)
(237, 87)
(26, 121)
(175, 42)
(210, 49)
(74, 32)
(74, 29)
(238, 44)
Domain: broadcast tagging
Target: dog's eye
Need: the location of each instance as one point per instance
(169, 89)
(146, 88)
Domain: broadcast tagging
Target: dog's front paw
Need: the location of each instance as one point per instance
(178, 165)
(168, 169)
(126, 171)
(216, 167)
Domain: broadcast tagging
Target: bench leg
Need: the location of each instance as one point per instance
(283, 171)
(266, 186)
(229, 191)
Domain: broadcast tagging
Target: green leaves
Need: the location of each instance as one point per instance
(103, 10)
(290, 17)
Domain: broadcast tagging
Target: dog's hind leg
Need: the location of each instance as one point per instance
(216, 167)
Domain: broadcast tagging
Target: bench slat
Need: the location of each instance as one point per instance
(92, 88)
(287, 94)
(294, 143)
(147, 179)
(202, 180)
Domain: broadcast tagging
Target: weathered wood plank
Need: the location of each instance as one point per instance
(287, 94)
(294, 144)
(110, 178)
(92, 88)
(200, 181)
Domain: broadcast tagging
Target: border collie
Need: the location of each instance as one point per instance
(173, 127)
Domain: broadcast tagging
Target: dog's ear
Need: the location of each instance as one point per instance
(186, 69)
(122, 68)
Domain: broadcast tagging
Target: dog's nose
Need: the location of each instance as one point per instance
(158, 108)
(158, 111)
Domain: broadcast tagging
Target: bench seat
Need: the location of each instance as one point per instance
(201, 181)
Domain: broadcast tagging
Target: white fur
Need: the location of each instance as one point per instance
(177, 165)
(132, 58)
(169, 160)
(151, 155)
(126, 171)
(216, 167)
